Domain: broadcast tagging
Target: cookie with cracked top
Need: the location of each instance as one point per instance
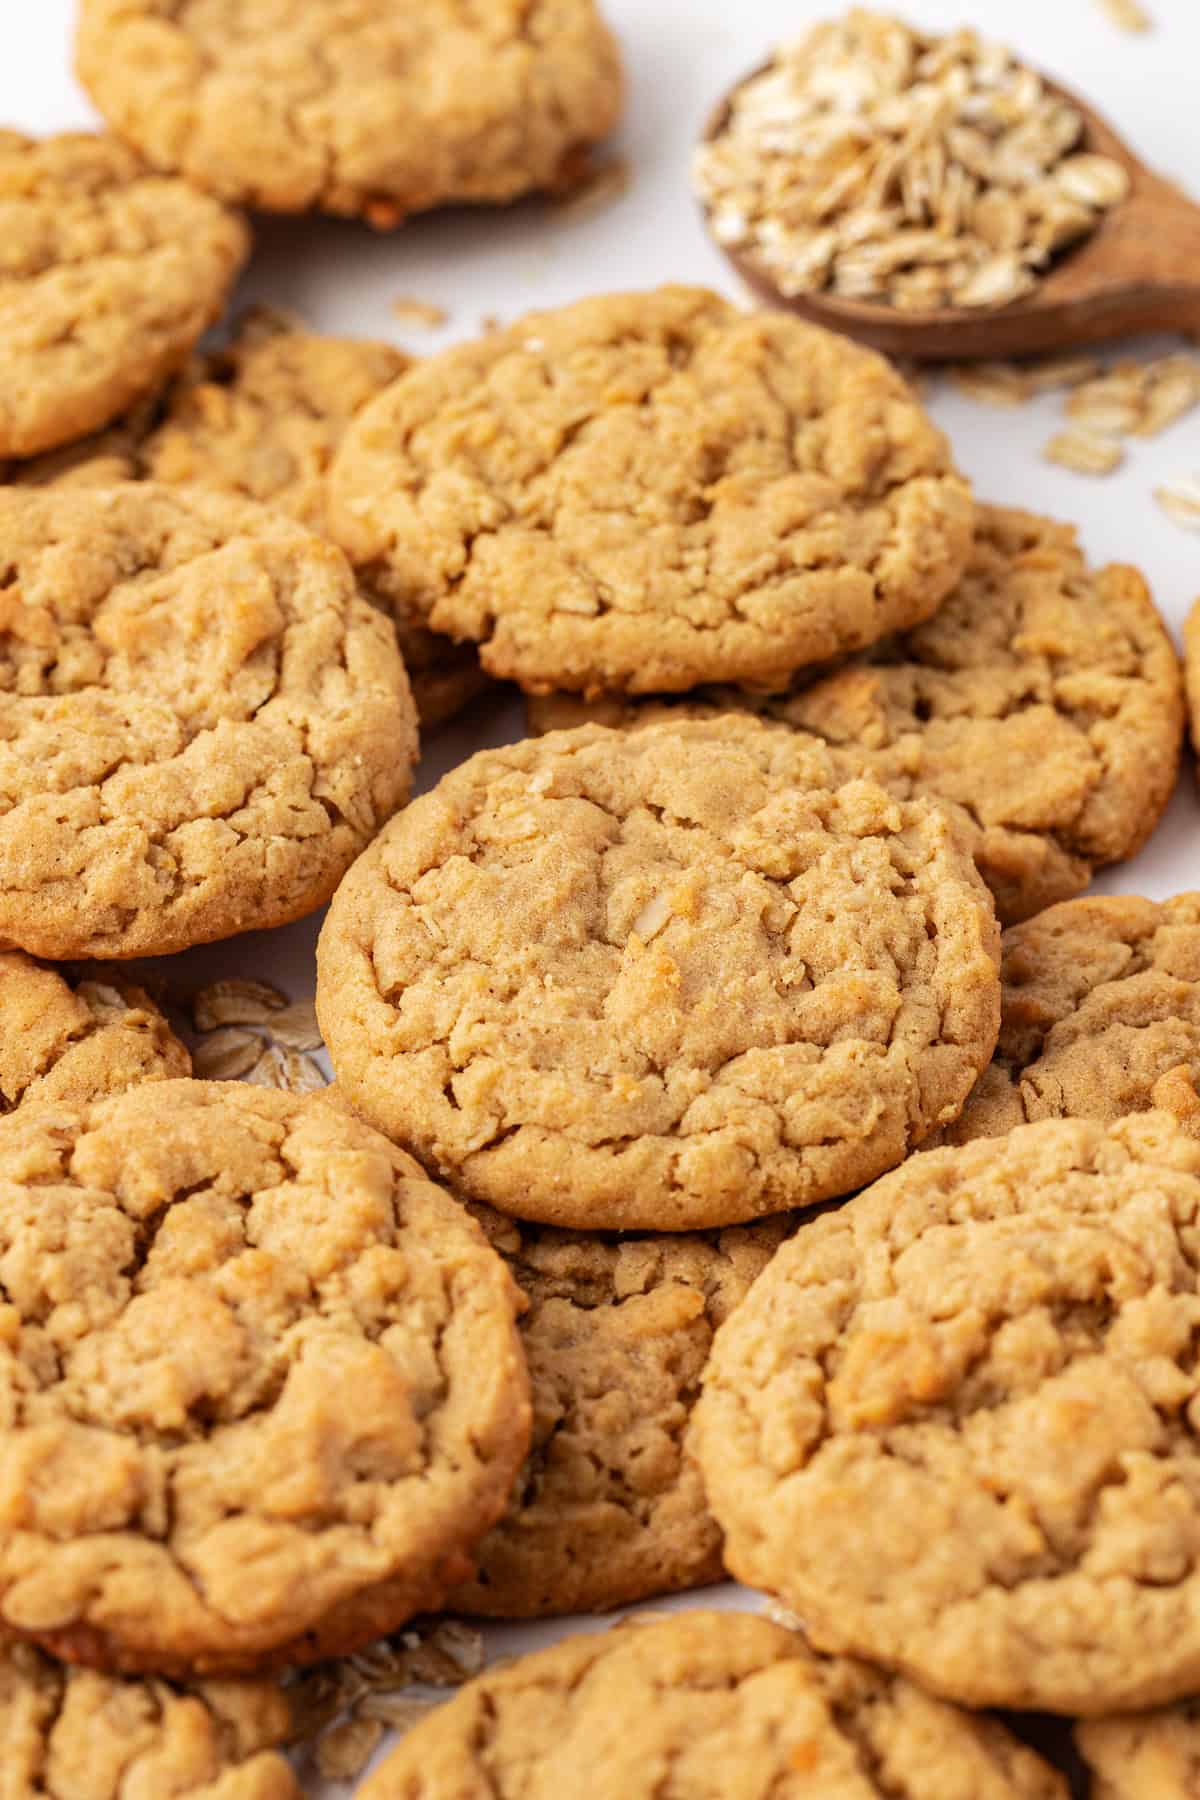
(992, 1350)
(203, 721)
(660, 980)
(1043, 697)
(646, 491)
(360, 107)
(110, 274)
(262, 1384)
(703, 1706)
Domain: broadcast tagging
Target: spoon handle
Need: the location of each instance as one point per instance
(1143, 264)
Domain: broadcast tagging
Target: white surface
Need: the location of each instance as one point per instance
(681, 55)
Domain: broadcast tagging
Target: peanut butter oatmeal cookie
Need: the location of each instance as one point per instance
(1143, 1756)
(356, 106)
(1191, 657)
(954, 1424)
(645, 491)
(1100, 1007)
(1043, 698)
(609, 1507)
(108, 275)
(203, 722)
(660, 980)
(70, 1734)
(75, 1040)
(262, 418)
(701, 1707)
(262, 1385)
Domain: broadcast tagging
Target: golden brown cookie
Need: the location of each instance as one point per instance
(70, 1734)
(992, 1351)
(1191, 664)
(108, 275)
(609, 1507)
(356, 106)
(660, 980)
(1100, 1004)
(75, 1040)
(262, 418)
(645, 491)
(203, 722)
(1043, 698)
(703, 1706)
(260, 1381)
(1143, 1756)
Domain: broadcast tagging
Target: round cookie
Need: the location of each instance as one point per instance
(1191, 665)
(990, 1349)
(75, 1040)
(361, 108)
(70, 1733)
(700, 1706)
(203, 722)
(262, 418)
(1100, 1007)
(262, 1385)
(660, 980)
(109, 275)
(609, 1508)
(1043, 698)
(645, 491)
(1143, 1756)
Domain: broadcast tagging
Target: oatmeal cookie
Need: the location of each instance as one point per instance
(1143, 1756)
(70, 1734)
(108, 275)
(609, 1507)
(1191, 658)
(645, 491)
(703, 1706)
(356, 106)
(262, 418)
(203, 723)
(1043, 698)
(75, 1040)
(262, 1389)
(992, 1351)
(660, 980)
(1100, 1005)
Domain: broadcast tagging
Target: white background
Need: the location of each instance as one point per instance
(681, 55)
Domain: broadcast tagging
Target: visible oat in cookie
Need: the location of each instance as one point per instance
(646, 491)
(1043, 698)
(700, 1705)
(264, 1389)
(70, 1734)
(356, 106)
(992, 1350)
(660, 980)
(203, 721)
(1143, 1756)
(108, 275)
(608, 1507)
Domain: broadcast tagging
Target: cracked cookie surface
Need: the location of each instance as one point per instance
(108, 275)
(1099, 1015)
(262, 418)
(645, 491)
(203, 721)
(703, 1706)
(1043, 698)
(1143, 1756)
(660, 980)
(356, 106)
(609, 1507)
(1191, 659)
(70, 1733)
(992, 1351)
(261, 1384)
(78, 1039)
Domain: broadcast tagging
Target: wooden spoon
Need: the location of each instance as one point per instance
(1139, 271)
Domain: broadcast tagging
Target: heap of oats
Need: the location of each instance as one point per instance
(889, 166)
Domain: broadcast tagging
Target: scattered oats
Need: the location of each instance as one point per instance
(286, 1069)
(344, 1751)
(422, 315)
(1127, 14)
(1111, 416)
(601, 190)
(226, 1054)
(1051, 373)
(783, 1615)
(1180, 500)
(1086, 452)
(995, 383)
(296, 1026)
(1172, 391)
(236, 1003)
(102, 999)
(399, 1712)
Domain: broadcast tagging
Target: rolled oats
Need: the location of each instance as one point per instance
(1086, 452)
(1127, 14)
(1180, 500)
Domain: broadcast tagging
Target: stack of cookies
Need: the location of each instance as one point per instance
(748, 1152)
